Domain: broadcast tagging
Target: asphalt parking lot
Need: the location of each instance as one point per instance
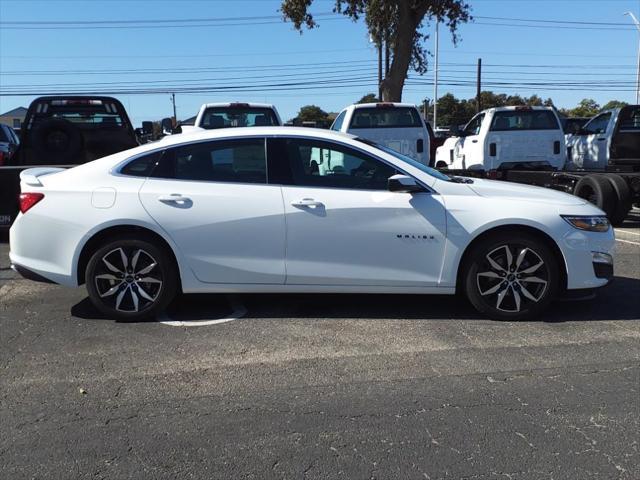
(324, 386)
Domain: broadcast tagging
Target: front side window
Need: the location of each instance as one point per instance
(325, 164)
(237, 161)
(473, 127)
(516, 120)
(17, 123)
(337, 123)
(599, 123)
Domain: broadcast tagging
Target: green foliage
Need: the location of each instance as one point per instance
(369, 98)
(399, 22)
(586, 108)
(312, 113)
(614, 104)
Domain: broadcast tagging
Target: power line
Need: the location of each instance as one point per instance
(572, 22)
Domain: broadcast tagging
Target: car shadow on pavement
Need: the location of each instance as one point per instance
(618, 301)
(4, 236)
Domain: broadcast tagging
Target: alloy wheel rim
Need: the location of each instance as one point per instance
(512, 278)
(129, 280)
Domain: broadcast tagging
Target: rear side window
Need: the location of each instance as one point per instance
(226, 117)
(629, 120)
(142, 166)
(3, 134)
(515, 120)
(237, 161)
(385, 117)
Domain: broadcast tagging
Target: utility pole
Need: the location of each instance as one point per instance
(435, 82)
(479, 86)
(173, 101)
(380, 68)
(637, 24)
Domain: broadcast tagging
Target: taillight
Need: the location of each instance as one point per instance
(1, 159)
(28, 200)
(556, 147)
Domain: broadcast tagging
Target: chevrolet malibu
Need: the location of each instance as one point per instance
(251, 210)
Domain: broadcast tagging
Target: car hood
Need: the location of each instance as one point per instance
(517, 191)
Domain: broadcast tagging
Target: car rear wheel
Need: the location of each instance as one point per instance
(512, 276)
(129, 279)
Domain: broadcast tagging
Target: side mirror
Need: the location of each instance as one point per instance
(403, 184)
(167, 126)
(582, 131)
(147, 128)
(458, 132)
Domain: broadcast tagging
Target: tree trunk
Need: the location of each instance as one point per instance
(409, 19)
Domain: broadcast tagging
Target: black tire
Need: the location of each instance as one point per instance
(57, 141)
(122, 293)
(599, 191)
(623, 199)
(441, 164)
(506, 296)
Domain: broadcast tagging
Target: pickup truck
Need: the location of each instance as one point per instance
(229, 115)
(504, 138)
(63, 132)
(613, 135)
(398, 126)
(601, 164)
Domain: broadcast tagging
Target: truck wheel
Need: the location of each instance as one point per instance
(623, 199)
(599, 191)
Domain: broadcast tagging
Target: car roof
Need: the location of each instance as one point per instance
(228, 104)
(517, 107)
(199, 135)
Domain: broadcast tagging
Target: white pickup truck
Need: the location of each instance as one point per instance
(505, 138)
(398, 126)
(610, 135)
(229, 115)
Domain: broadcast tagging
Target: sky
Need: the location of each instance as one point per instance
(564, 49)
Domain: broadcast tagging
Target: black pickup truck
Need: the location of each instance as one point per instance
(63, 131)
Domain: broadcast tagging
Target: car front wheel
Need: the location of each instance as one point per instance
(512, 276)
(131, 279)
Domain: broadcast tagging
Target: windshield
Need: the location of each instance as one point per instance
(428, 170)
(226, 117)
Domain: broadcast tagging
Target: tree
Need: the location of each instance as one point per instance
(613, 104)
(369, 98)
(312, 113)
(399, 21)
(586, 108)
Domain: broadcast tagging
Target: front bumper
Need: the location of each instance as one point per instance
(588, 257)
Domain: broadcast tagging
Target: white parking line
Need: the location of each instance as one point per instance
(238, 312)
(619, 230)
(627, 241)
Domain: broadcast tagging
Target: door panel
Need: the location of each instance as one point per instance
(353, 237)
(228, 232)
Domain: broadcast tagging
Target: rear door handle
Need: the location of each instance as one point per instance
(601, 139)
(474, 141)
(174, 198)
(306, 202)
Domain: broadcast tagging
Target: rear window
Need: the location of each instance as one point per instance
(227, 117)
(386, 117)
(524, 120)
(103, 114)
(629, 120)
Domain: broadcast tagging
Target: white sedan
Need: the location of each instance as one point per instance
(247, 210)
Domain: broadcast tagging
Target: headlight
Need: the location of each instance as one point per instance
(591, 224)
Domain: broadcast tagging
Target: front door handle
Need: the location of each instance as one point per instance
(174, 198)
(602, 139)
(306, 202)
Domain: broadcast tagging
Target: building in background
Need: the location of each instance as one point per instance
(14, 118)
